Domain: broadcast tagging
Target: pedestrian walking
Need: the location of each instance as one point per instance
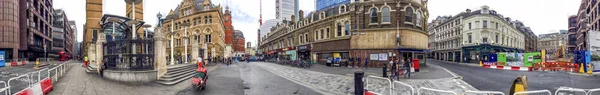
(85, 61)
(351, 60)
(102, 69)
(366, 63)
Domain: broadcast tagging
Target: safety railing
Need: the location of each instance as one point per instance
(384, 85)
(570, 91)
(401, 88)
(5, 88)
(535, 92)
(34, 85)
(18, 77)
(594, 91)
(431, 91)
(483, 93)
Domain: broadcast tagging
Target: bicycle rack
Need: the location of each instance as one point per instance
(412, 89)
(569, 89)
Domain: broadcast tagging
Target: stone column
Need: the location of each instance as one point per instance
(100, 51)
(160, 61)
(195, 49)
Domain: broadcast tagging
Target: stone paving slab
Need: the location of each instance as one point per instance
(78, 82)
(344, 85)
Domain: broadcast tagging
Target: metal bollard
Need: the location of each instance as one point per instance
(358, 83)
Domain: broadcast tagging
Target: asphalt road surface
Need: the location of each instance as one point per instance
(232, 79)
(486, 79)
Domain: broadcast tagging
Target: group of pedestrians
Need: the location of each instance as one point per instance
(399, 67)
(355, 62)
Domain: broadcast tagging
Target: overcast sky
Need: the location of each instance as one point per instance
(543, 16)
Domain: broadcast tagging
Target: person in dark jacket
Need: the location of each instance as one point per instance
(366, 63)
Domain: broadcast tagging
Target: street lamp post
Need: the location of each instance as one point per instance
(185, 38)
(171, 42)
(114, 20)
(146, 26)
(133, 22)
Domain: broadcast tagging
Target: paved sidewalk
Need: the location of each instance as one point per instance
(426, 72)
(78, 82)
(336, 84)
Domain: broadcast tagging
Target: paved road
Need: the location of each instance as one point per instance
(501, 80)
(230, 80)
(16, 85)
(426, 72)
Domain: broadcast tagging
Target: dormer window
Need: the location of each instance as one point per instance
(322, 15)
(206, 7)
(342, 9)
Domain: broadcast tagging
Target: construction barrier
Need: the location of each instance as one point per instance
(570, 91)
(556, 66)
(431, 91)
(5, 88)
(536, 92)
(483, 93)
(401, 88)
(40, 86)
(594, 91)
(386, 89)
(26, 91)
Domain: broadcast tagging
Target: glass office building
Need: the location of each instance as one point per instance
(323, 4)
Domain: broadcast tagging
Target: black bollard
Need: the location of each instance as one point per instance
(385, 71)
(358, 83)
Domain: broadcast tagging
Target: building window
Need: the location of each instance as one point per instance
(418, 15)
(470, 38)
(327, 36)
(306, 37)
(484, 40)
(385, 14)
(210, 19)
(469, 26)
(347, 29)
(322, 33)
(374, 17)
(339, 29)
(208, 38)
(484, 23)
(496, 38)
(496, 25)
(317, 35)
(408, 15)
(205, 19)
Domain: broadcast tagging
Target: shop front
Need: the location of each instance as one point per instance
(331, 51)
(288, 53)
(303, 52)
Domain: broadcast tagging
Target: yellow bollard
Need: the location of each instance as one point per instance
(589, 70)
(581, 68)
(36, 64)
(480, 64)
(519, 85)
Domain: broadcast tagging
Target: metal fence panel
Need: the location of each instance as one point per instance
(483, 93)
(594, 91)
(401, 88)
(570, 91)
(378, 85)
(431, 91)
(536, 92)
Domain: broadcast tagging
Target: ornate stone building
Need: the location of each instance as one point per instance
(369, 29)
(204, 28)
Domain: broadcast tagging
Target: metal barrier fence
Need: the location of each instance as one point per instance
(570, 91)
(535, 92)
(431, 91)
(401, 88)
(594, 91)
(379, 85)
(483, 93)
(30, 79)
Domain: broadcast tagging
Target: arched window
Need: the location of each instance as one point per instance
(418, 15)
(385, 14)
(347, 28)
(374, 18)
(408, 15)
(338, 31)
(342, 9)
